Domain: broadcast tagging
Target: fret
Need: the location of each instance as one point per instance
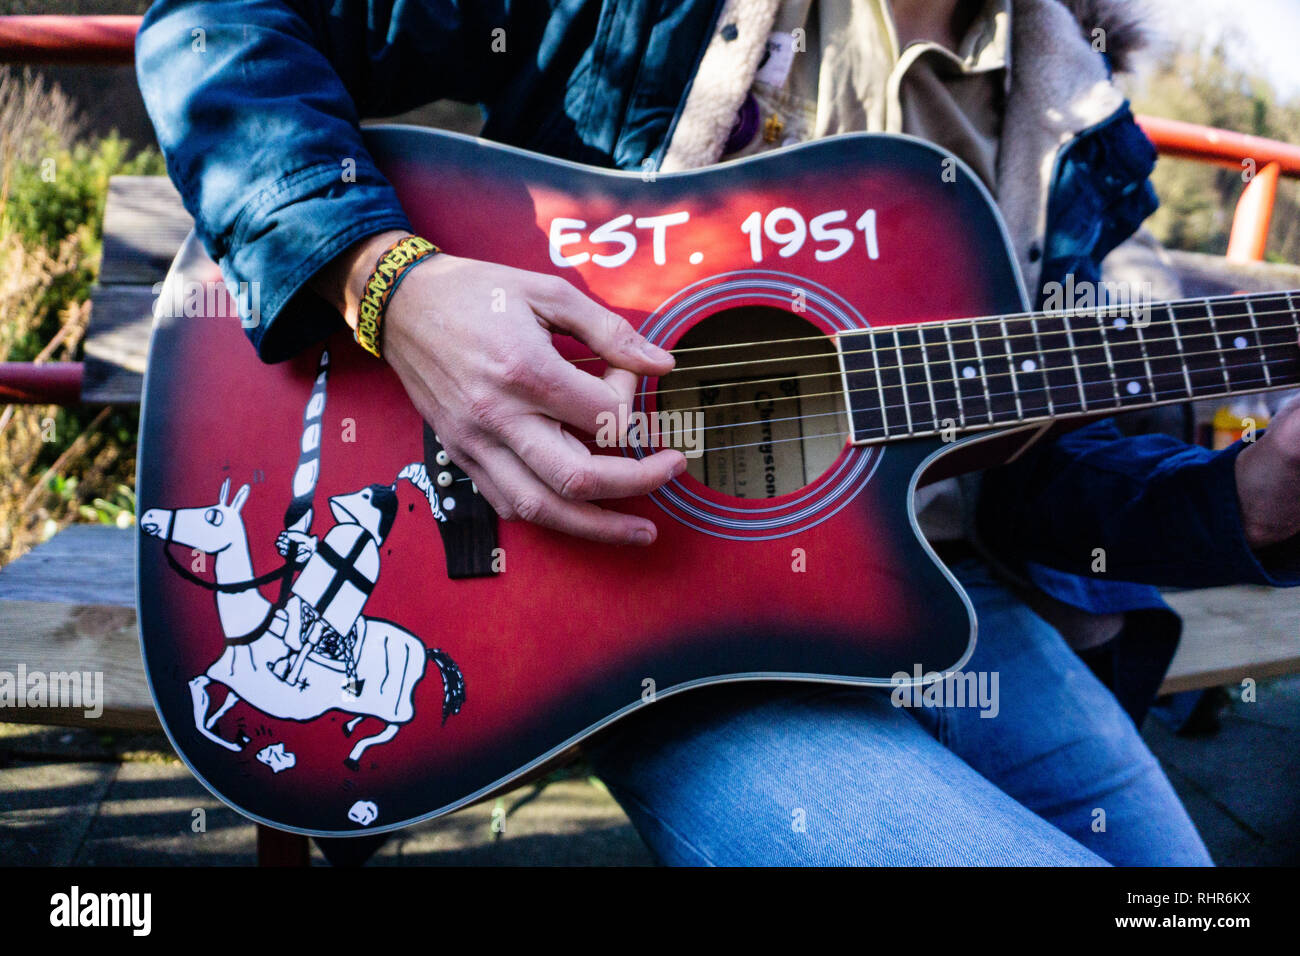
(902, 380)
(1178, 344)
(1093, 356)
(1275, 318)
(956, 375)
(1204, 365)
(995, 361)
(1011, 369)
(944, 395)
(862, 386)
(1259, 343)
(1163, 353)
(1064, 385)
(916, 379)
(1234, 381)
(898, 419)
(1238, 343)
(1140, 321)
(1027, 367)
(1128, 364)
(874, 351)
(1074, 359)
(968, 370)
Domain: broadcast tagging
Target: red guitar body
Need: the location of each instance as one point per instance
(752, 577)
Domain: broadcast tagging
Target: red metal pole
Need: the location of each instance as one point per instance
(47, 38)
(51, 383)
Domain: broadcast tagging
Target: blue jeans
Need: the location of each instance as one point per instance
(787, 774)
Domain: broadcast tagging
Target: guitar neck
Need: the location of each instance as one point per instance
(970, 374)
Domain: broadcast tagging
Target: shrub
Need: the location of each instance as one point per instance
(53, 185)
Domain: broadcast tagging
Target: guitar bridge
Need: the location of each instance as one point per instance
(469, 529)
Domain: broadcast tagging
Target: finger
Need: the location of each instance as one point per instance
(531, 500)
(582, 400)
(578, 475)
(483, 484)
(606, 333)
(623, 383)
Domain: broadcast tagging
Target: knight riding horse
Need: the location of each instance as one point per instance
(282, 655)
(339, 574)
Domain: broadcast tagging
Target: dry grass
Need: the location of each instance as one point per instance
(41, 446)
(28, 431)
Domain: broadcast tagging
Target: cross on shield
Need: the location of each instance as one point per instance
(340, 575)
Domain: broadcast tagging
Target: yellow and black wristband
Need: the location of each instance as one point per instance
(390, 269)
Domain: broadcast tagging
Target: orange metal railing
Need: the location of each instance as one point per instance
(1261, 162)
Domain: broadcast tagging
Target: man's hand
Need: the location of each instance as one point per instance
(492, 385)
(1268, 480)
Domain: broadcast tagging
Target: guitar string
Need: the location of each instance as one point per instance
(1108, 311)
(952, 359)
(885, 409)
(1255, 330)
(1011, 374)
(1009, 356)
(910, 432)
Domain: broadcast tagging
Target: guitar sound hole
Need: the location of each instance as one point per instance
(770, 415)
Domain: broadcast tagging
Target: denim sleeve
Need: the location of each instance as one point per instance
(1164, 512)
(257, 104)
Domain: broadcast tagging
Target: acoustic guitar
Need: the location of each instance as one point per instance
(340, 636)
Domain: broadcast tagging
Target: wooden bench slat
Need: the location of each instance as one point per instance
(84, 564)
(117, 344)
(144, 225)
(1232, 633)
(58, 638)
(68, 606)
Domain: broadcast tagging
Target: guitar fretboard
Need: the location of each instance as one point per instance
(968, 374)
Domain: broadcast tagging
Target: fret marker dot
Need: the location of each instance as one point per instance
(697, 258)
(1133, 388)
(968, 372)
(1239, 341)
(1027, 365)
(1121, 322)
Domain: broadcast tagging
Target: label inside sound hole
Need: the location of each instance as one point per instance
(754, 430)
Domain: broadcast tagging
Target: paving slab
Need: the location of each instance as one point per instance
(46, 809)
(565, 823)
(156, 813)
(1241, 785)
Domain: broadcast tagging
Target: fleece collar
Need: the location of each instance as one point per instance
(1060, 87)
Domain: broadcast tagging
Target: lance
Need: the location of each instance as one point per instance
(308, 470)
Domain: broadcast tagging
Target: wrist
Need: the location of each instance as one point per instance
(342, 283)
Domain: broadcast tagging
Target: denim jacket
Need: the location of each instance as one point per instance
(257, 102)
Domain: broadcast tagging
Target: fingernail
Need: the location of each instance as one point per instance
(642, 537)
(654, 352)
(678, 468)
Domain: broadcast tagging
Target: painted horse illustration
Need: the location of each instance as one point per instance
(270, 660)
